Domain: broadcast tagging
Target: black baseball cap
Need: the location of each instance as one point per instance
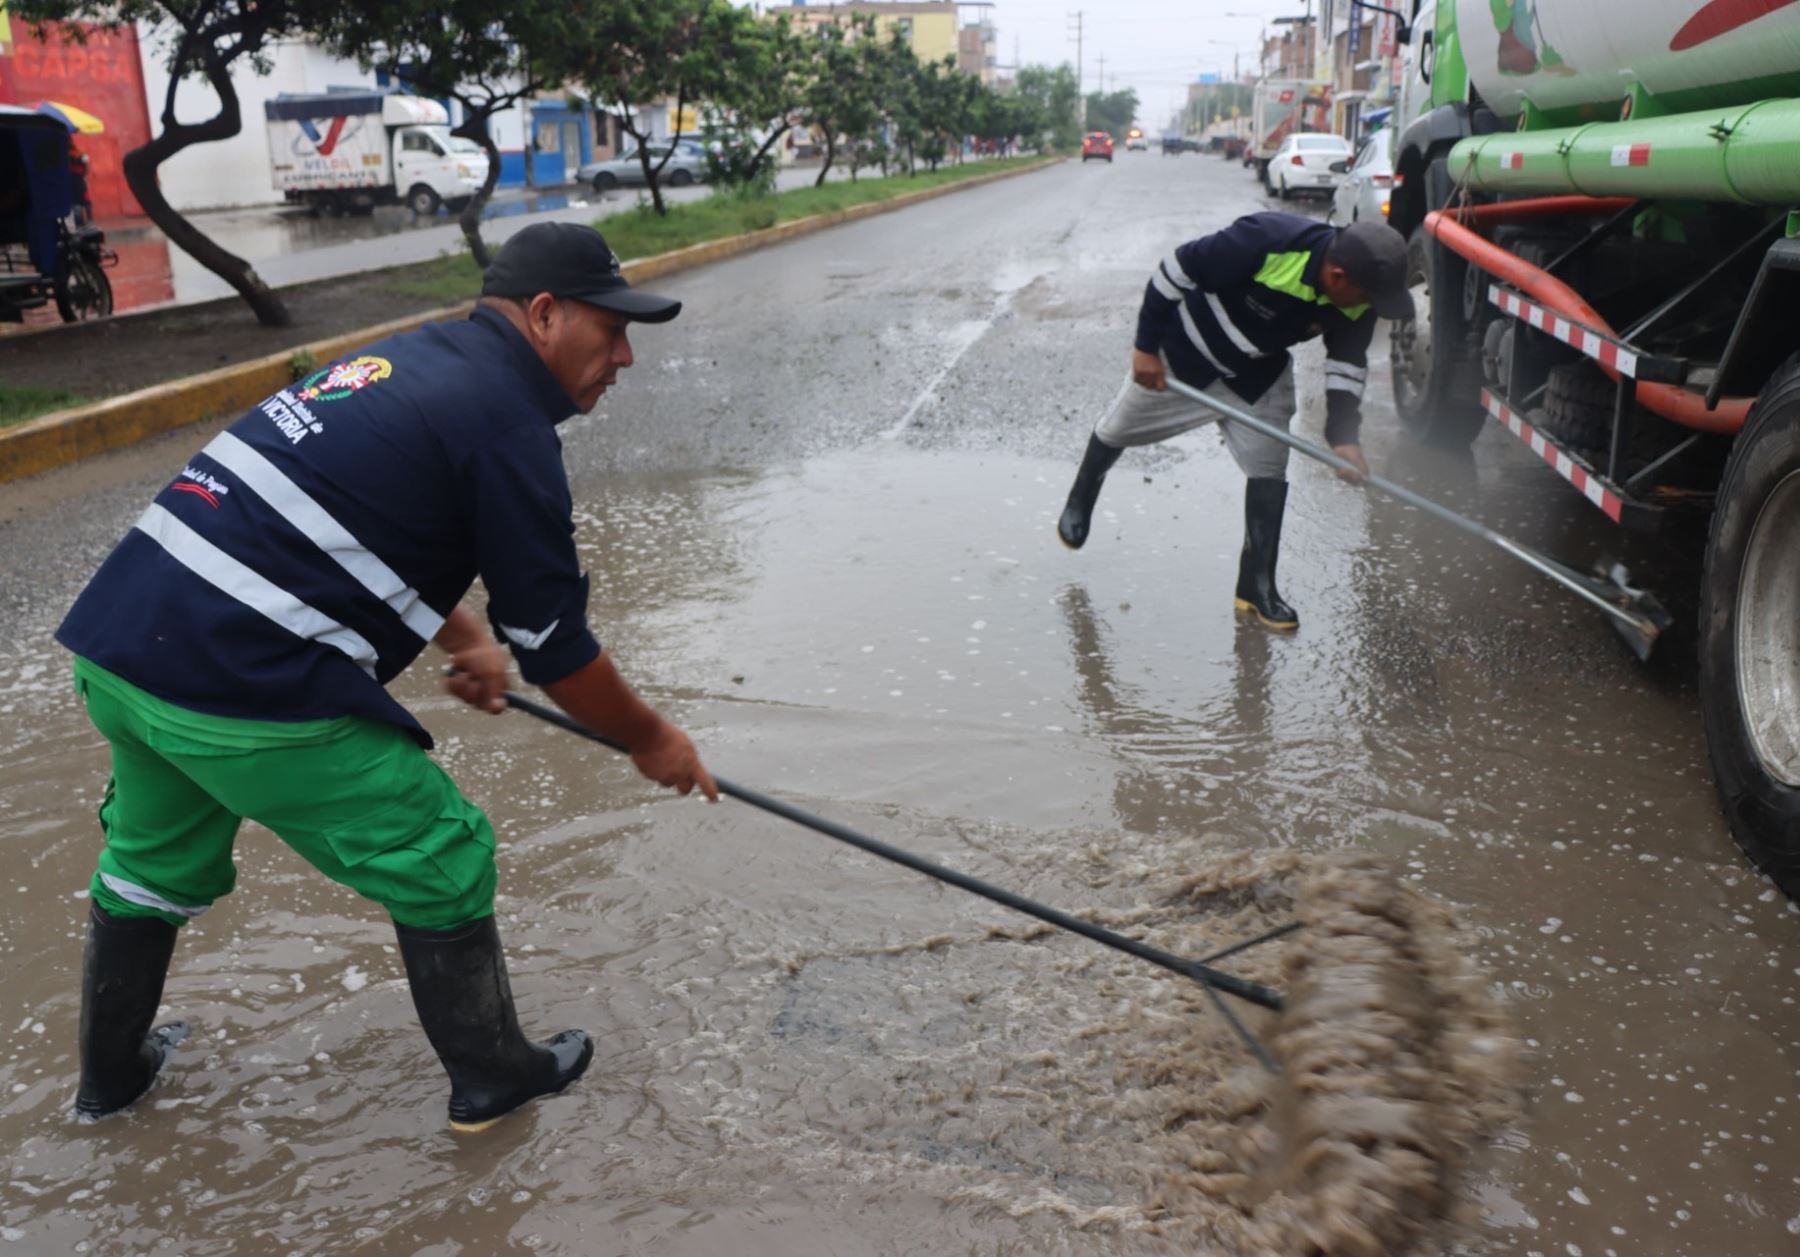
(569, 260)
(1373, 255)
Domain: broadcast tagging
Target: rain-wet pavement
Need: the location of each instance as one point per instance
(291, 246)
(818, 514)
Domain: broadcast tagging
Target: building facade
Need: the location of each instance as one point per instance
(930, 28)
(977, 51)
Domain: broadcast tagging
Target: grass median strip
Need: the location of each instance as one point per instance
(640, 232)
(19, 402)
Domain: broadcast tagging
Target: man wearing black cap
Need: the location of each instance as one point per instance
(1220, 313)
(236, 646)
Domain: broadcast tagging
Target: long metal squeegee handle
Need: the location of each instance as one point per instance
(1573, 581)
(1231, 984)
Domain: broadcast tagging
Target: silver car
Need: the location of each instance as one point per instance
(1367, 185)
(688, 165)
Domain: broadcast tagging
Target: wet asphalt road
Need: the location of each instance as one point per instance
(818, 516)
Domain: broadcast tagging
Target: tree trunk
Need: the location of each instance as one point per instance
(763, 152)
(651, 176)
(140, 176)
(830, 154)
(475, 127)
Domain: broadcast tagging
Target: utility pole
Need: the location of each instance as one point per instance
(1080, 83)
(1103, 74)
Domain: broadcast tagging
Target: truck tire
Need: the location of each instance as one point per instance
(1750, 635)
(1436, 376)
(1578, 405)
(422, 200)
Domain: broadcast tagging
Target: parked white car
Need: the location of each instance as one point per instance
(1367, 185)
(1303, 164)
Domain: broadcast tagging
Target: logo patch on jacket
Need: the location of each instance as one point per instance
(340, 380)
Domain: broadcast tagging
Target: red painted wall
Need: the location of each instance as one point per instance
(104, 76)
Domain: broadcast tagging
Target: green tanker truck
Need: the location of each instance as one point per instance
(1602, 202)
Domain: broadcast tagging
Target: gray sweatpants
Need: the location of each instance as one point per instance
(1141, 416)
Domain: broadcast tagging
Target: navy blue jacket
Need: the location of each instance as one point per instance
(1228, 306)
(302, 560)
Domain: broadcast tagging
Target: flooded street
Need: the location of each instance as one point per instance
(818, 515)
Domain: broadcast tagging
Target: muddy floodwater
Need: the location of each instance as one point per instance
(818, 517)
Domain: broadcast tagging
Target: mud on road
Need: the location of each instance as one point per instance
(818, 515)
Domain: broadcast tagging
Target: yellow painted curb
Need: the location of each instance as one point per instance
(68, 436)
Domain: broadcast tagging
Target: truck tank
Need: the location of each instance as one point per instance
(1577, 60)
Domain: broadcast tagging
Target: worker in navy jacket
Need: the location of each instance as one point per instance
(236, 647)
(1220, 313)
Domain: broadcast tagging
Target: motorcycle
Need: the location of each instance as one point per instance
(48, 252)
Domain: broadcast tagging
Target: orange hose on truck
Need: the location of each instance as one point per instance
(1672, 402)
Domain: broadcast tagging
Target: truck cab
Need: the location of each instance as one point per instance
(434, 166)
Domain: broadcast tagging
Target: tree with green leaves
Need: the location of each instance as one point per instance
(207, 40)
(840, 98)
(633, 53)
(486, 61)
(942, 105)
(766, 81)
(899, 83)
(1112, 112)
(997, 119)
(1053, 95)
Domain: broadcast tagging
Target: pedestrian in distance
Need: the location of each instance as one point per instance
(235, 649)
(1220, 313)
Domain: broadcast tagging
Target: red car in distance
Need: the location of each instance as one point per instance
(1096, 144)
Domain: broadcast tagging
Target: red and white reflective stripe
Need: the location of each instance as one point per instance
(1568, 467)
(1631, 155)
(1607, 353)
(1512, 161)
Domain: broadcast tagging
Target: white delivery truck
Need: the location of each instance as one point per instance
(347, 152)
(1279, 108)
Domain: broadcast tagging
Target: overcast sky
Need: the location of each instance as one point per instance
(1155, 46)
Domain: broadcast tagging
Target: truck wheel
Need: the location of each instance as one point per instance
(1578, 403)
(1750, 635)
(423, 201)
(1436, 377)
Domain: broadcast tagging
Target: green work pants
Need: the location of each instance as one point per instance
(360, 800)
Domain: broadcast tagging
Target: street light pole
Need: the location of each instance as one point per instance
(1080, 83)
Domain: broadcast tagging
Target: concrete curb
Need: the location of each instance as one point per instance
(68, 436)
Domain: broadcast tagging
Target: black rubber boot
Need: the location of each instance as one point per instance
(1076, 516)
(465, 1003)
(1265, 501)
(122, 974)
